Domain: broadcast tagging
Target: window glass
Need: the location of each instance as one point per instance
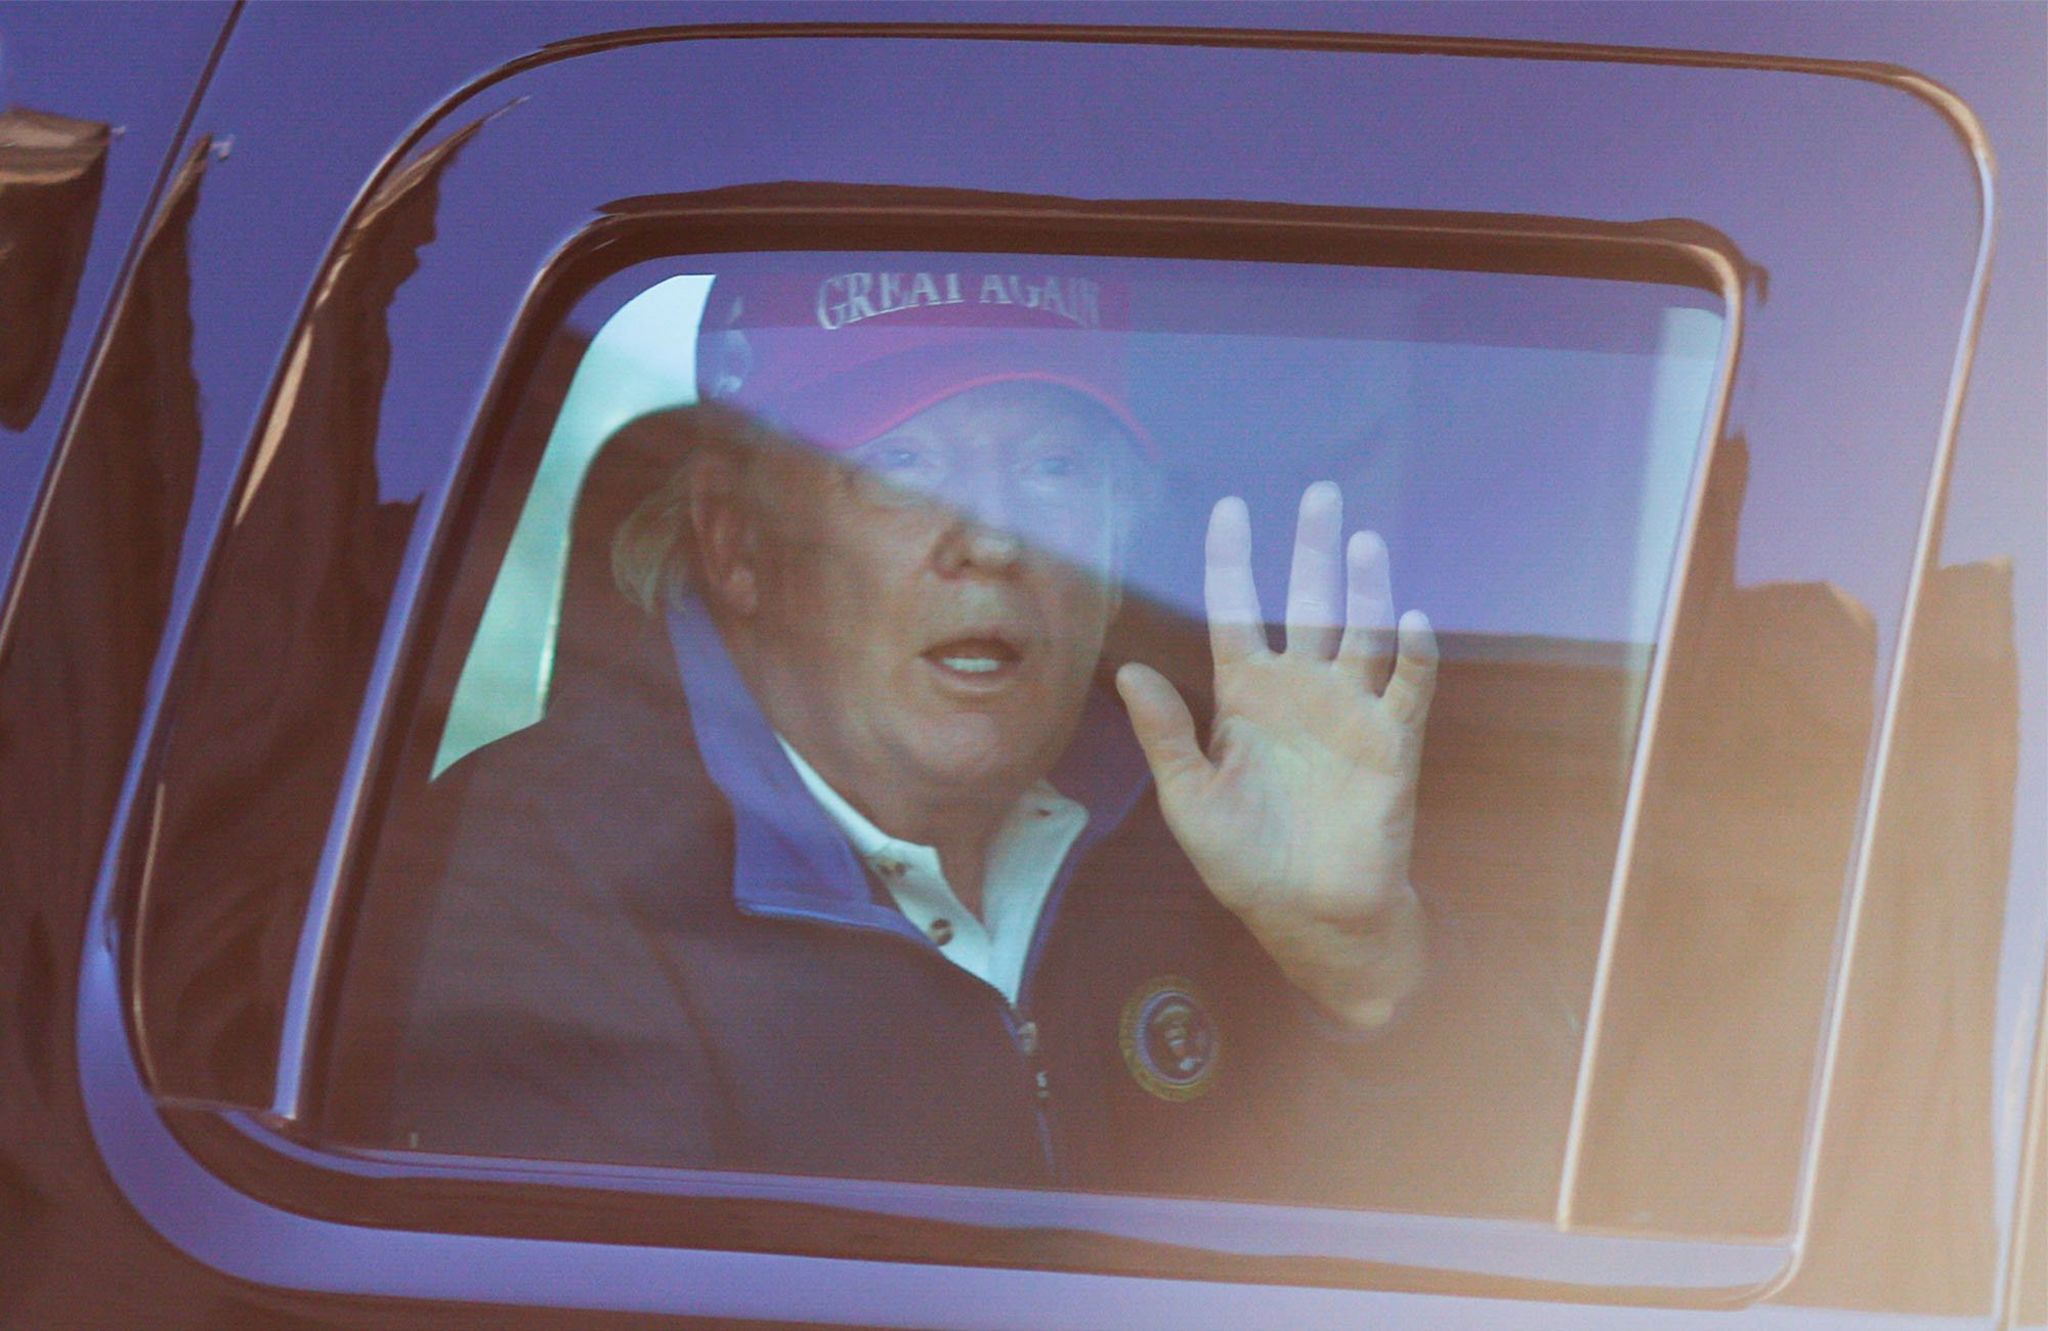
(775, 797)
(1554, 495)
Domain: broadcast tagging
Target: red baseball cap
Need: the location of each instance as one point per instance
(845, 353)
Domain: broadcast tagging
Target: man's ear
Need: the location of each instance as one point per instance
(725, 533)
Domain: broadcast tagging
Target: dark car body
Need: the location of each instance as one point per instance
(270, 273)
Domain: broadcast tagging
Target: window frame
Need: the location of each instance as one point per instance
(275, 1155)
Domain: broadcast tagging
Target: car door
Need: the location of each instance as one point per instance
(1653, 399)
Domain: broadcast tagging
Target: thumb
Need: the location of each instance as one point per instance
(1165, 729)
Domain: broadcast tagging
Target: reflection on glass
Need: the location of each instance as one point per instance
(920, 793)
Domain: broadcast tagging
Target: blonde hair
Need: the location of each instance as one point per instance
(653, 553)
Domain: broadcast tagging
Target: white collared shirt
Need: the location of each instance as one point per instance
(1023, 860)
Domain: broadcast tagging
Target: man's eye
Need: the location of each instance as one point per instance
(894, 471)
(899, 461)
(893, 459)
(1060, 471)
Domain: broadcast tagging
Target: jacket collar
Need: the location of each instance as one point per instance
(788, 857)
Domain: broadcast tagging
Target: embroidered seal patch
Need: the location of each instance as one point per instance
(1170, 1042)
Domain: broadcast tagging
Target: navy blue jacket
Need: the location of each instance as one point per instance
(650, 945)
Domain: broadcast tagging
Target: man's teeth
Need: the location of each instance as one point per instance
(973, 665)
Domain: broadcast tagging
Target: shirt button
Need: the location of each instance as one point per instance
(1027, 1038)
(940, 931)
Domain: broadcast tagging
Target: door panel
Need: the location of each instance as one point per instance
(1716, 959)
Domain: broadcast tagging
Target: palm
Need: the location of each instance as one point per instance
(1309, 793)
(1300, 814)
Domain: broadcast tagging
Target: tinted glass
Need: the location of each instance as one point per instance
(1537, 436)
(768, 801)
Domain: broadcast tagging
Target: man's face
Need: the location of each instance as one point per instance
(930, 609)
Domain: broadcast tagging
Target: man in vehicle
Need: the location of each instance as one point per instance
(866, 874)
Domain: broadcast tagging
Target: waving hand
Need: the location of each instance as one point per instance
(1300, 816)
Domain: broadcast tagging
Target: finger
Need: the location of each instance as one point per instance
(1368, 646)
(1236, 630)
(1414, 682)
(1165, 730)
(1316, 581)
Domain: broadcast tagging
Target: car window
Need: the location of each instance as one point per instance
(658, 882)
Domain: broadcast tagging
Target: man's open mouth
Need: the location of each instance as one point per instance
(987, 659)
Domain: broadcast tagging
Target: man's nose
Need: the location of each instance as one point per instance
(973, 543)
(985, 534)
